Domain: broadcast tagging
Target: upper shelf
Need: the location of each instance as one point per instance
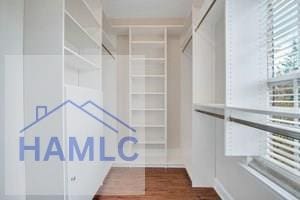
(84, 13)
(148, 42)
(147, 59)
(148, 34)
(79, 35)
(78, 62)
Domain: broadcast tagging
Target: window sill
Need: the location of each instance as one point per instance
(269, 183)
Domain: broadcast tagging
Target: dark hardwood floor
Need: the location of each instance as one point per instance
(151, 184)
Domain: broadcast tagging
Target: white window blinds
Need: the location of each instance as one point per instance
(283, 31)
(283, 47)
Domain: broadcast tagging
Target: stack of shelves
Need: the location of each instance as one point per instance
(82, 82)
(65, 40)
(82, 45)
(148, 92)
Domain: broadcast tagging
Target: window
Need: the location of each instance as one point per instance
(283, 47)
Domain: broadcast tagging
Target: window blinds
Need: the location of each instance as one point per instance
(283, 51)
(283, 36)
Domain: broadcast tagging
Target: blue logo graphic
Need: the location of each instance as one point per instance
(54, 147)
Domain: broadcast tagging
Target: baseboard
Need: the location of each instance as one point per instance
(222, 192)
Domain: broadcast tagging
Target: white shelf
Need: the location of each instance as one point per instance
(76, 61)
(148, 76)
(83, 12)
(148, 42)
(147, 59)
(82, 88)
(148, 109)
(70, 19)
(208, 106)
(92, 12)
(162, 142)
(148, 126)
(148, 93)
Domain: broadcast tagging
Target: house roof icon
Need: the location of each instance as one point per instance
(82, 109)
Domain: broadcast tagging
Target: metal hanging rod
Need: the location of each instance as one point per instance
(210, 114)
(268, 128)
(205, 15)
(263, 127)
(108, 51)
(187, 43)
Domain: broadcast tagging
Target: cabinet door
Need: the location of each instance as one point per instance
(83, 178)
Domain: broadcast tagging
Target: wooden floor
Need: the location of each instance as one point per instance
(151, 184)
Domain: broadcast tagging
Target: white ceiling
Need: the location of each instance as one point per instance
(147, 8)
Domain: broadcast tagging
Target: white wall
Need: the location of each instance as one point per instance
(12, 172)
(43, 85)
(110, 100)
(123, 84)
(174, 94)
(186, 108)
(1, 126)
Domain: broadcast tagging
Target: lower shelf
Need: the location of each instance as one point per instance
(81, 88)
(171, 159)
(148, 126)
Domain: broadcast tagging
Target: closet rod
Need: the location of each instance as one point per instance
(205, 15)
(187, 43)
(268, 128)
(210, 114)
(108, 51)
(263, 127)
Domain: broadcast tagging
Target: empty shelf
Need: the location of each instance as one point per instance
(78, 62)
(148, 76)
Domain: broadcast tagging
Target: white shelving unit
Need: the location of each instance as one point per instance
(148, 92)
(65, 39)
(82, 81)
(82, 45)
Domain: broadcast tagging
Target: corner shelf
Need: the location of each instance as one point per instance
(151, 142)
(82, 88)
(147, 59)
(148, 109)
(148, 76)
(148, 93)
(91, 12)
(146, 42)
(82, 44)
(71, 21)
(148, 126)
(78, 62)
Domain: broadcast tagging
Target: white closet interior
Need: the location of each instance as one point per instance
(177, 81)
